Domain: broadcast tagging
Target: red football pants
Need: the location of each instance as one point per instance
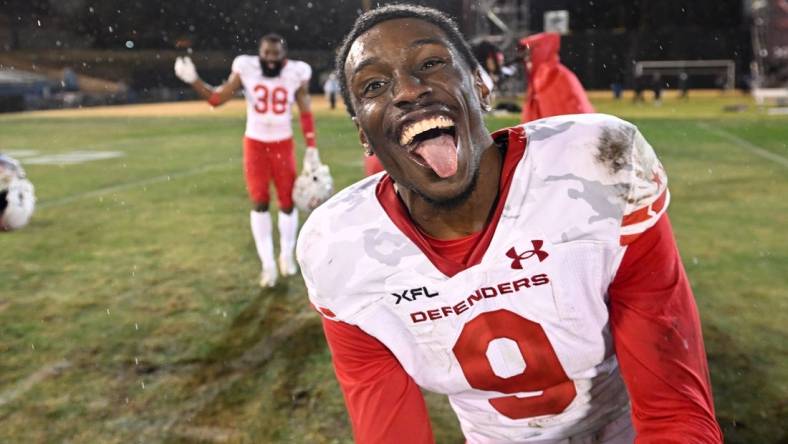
(264, 161)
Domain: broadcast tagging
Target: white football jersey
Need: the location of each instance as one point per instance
(520, 340)
(269, 99)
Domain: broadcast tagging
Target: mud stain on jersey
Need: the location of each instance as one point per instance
(614, 148)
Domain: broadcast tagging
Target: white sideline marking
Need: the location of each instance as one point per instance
(126, 186)
(781, 111)
(754, 149)
(72, 157)
(28, 383)
(21, 153)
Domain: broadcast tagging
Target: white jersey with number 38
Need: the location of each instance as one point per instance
(269, 99)
(520, 340)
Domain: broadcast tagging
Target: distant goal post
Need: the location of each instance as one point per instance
(727, 68)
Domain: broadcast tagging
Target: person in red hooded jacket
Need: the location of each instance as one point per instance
(553, 89)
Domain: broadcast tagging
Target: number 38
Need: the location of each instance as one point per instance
(275, 101)
(543, 373)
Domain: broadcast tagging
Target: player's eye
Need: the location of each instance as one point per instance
(432, 64)
(373, 87)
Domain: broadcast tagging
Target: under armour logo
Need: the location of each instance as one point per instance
(518, 257)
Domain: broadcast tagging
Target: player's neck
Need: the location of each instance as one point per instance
(467, 217)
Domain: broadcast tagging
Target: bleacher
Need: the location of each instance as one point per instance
(19, 88)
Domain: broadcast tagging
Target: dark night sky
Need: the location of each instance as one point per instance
(211, 24)
(316, 24)
(606, 35)
(643, 14)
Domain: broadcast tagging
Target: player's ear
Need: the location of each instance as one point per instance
(362, 137)
(482, 90)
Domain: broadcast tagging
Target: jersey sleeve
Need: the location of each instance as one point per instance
(383, 401)
(237, 66)
(310, 245)
(659, 346)
(304, 72)
(648, 196)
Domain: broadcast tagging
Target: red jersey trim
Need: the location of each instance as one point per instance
(627, 239)
(398, 213)
(323, 310)
(645, 213)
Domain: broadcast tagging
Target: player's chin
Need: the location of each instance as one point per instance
(448, 200)
(451, 191)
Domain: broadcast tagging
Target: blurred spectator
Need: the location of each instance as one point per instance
(656, 86)
(490, 58)
(683, 85)
(720, 83)
(553, 89)
(617, 86)
(639, 86)
(70, 80)
(331, 88)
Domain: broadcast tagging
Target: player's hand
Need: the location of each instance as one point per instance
(185, 70)
(311, 159)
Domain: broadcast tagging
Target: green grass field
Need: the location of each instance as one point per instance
(129, 310)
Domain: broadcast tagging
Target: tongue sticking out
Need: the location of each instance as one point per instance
(440, 154)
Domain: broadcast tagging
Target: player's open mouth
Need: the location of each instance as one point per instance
(432, 143)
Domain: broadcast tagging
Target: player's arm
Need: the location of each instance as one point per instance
(384, 403)
(186, 71)
(657, 336)
(220, 94)
(307, 119)
(304, 102)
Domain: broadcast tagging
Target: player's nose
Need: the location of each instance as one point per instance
(409, 89)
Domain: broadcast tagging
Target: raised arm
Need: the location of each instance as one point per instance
(384, 403)
(186, 71)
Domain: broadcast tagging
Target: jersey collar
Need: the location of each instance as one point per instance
(515, 139)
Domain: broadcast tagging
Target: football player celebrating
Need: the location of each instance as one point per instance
(530, 274)
(271, 83)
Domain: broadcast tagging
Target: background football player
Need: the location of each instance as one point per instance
(271, 83)
(530, 274)
(17, 195)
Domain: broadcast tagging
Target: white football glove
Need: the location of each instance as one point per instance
(311, 160)
(185, 70)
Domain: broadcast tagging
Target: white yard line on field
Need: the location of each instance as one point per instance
(749, 146)
(21, 387)
(130, 185)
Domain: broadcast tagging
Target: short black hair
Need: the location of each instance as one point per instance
(375, 16)
(273, 38)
